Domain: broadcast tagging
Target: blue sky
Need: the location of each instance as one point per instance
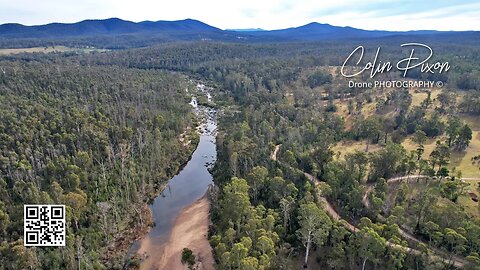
(266, 14)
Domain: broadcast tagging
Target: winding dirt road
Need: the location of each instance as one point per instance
(459, 261)
(408, 178)
(328, 207)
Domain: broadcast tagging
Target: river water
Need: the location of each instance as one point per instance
(190, 184)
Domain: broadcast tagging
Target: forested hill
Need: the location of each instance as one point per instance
(113, 26)
(107, 33)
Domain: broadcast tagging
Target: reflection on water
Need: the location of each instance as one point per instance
(183, 189)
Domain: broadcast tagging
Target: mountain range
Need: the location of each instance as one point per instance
(190, 29)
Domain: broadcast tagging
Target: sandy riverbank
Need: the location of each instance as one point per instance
(190, 230)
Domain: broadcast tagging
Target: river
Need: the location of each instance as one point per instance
(184, 189)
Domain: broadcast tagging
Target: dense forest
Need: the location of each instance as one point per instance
(269, 213)
(296, 147)
(90, 138)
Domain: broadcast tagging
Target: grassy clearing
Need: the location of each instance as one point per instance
(346, 147)
(53, 49)
(471, 206)
(460, 161)
(472, 121)
(429, 145)
(342, 111)
(418, 96)
(463, 161)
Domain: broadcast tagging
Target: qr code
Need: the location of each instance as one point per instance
(44, 225)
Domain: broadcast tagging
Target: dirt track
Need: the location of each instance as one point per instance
(275, 152)
(440, 255)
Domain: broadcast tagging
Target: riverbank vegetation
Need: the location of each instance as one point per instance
(261, 201)
(266, 214)
(100, 140)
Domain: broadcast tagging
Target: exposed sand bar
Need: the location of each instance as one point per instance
(190, 230)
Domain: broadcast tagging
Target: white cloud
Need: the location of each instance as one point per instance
(267, 14)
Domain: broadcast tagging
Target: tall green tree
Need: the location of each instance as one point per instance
(314, 226)
(463, 139)
(370, 245)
